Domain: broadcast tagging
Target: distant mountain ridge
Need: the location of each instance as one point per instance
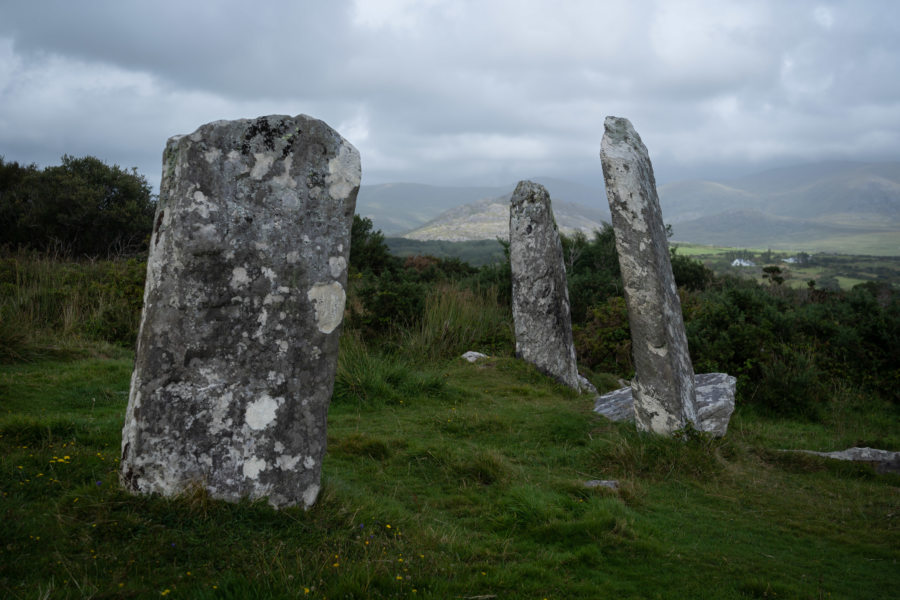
(827, 206)
(489, 219)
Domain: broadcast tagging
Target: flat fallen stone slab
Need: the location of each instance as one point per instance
(884, 461)
(604, 483)
(714, 398)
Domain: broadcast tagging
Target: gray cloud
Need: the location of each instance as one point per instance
(441, 91)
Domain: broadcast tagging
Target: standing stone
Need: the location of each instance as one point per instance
(540, 298)
(663, 386)
(238, 344)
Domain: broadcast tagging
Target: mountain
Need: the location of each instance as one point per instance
(827, 206)
(489, 219)
(398, 208)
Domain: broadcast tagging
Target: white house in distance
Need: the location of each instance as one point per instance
(742, 262)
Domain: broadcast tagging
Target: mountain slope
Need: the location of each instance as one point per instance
(489, 219)
(832, 206)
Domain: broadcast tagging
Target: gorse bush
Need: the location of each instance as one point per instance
(82, 207)
(790, 347)
(603, 342)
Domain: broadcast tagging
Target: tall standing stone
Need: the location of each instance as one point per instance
(540, 298)
(663, 386)
(244, 298)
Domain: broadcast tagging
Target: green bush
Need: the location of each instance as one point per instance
(82, 207)
(603, 343)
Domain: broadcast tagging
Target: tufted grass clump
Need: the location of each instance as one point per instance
(52, 308)
(457, 319)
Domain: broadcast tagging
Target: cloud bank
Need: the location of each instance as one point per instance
(456, 91)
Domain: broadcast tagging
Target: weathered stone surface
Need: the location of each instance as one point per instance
(612, 484)
(473, 356)
(540, 297)
(884, 461)
(714, 399)
(245, 292)
(664, 382)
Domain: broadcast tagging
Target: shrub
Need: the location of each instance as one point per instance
(82, 207)
(603, 343)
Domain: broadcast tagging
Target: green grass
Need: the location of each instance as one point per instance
(451, 480)
(845, 270)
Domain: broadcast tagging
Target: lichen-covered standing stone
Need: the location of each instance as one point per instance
(244, 298)
(540, 298)
(663, 386)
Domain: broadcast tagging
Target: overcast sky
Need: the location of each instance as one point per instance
(459, 92)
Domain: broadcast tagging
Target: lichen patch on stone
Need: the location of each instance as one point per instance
(263, 162)
(239, 278)
(253, 467)
(343, 172)
(261, 412)
(328, 299)
(336, 265)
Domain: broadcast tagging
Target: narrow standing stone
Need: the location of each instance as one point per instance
(663, 386)
(237, 350)
(540, 298)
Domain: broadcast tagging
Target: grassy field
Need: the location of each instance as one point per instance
(835, 270)
(465, 481)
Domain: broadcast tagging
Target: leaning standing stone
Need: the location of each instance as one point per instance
(540, 298)
(663, 386)
(238, 344)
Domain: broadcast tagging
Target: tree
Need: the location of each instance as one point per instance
(368, 251)
(82, 207)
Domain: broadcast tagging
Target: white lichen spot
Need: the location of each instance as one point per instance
(310, 495)
(309, 462)
(293, 257)
(262, 165)
(336, 265)
(212, 156)
(218, 418)
(261, 412)
(287, 462)
(253, 467)
(328, 299)
(343, 172)
(273, 299)
(285, 180)
(282, 346)
(239, 278)
(278, 446)
(269, 273)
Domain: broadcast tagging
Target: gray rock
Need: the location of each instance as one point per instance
(715, 401)
(617, 405)
(540, 297)
(884, 461)
(473, 356)
(245, 292)
(714, 398)
(605, 483)
(664, 382)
